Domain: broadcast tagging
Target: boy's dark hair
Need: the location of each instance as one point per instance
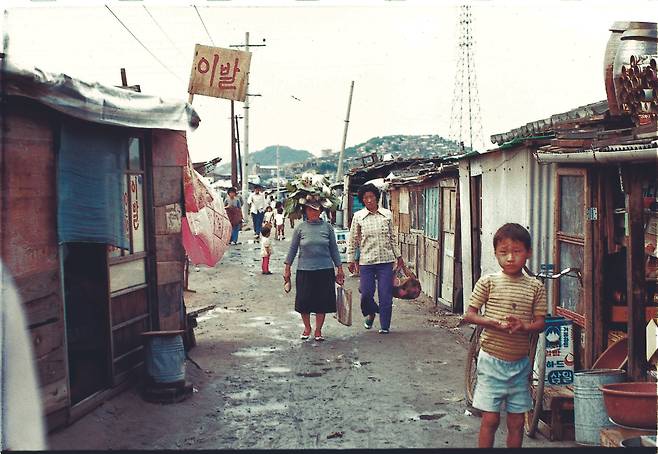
(367, 188)
(265, 230)
(514, 232)
(231, 189)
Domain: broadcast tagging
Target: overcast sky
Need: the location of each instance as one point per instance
(532, 60)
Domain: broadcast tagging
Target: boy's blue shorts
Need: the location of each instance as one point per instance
(501, 381)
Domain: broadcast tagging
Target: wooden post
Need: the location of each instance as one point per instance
(635, 282)
(124, 79)
(234, 159)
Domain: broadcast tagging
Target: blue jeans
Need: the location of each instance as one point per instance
(380, 274)
(258, 221)
(234, 233)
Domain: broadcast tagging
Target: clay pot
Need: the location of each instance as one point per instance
(631, 404)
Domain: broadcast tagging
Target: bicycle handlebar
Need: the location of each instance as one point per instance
(571, 272)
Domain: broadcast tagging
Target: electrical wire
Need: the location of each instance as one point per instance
(142, 44)
(204, 24)
(162, 30)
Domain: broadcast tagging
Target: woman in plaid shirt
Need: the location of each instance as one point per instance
(372, 233)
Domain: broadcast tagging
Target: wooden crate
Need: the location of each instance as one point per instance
(557, 419)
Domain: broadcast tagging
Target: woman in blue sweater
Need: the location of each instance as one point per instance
(318, 254)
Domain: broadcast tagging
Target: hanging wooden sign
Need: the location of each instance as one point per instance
(219, 72)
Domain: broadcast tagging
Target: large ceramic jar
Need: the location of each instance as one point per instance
(635, 77)
(617, 29)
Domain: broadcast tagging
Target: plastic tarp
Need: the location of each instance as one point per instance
(205, 226)
(96, 102)
(90, 167)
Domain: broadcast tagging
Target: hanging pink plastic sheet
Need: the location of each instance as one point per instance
(206, 227)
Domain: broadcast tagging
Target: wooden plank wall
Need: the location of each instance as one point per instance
(416, 248)
(169, 151)
(29, 240)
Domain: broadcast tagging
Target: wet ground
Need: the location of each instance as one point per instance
(258, 385)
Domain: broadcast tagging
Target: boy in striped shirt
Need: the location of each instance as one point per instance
(515, 308)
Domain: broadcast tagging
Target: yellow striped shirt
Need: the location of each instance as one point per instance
(503, 295)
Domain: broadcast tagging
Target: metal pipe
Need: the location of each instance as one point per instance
(602, 157)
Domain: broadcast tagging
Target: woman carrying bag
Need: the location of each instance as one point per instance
(314, 241)
(371, 233)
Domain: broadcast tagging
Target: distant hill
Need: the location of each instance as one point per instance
(293, 162)
(267, 157)
(403, 146)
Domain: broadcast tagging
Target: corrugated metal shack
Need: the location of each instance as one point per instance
(586, 189)
(88, 297)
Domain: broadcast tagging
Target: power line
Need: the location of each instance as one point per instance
(162, 30)
(204, 24)
(142, 44)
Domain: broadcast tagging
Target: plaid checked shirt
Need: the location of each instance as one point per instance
(373, 234)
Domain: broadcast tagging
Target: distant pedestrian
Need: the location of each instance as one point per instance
(318, 254)
(266, 249)
(268, 218)
(272, 202)
(257, 204)
(233, 206)
(515, 307)
(280, 223)
(371, 234)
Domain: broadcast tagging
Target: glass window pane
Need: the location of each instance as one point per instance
(571, 255)
(134, 153)
(127, 274)
(137, 211)
(572, 206)
(413, 209)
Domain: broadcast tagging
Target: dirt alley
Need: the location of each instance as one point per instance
(261, 386)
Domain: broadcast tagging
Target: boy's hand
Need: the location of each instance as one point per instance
(503, 326)
(515, 324)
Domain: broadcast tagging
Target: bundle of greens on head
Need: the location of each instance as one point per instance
(310, 188)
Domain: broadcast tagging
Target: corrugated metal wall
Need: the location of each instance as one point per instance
(514, 189)
(541, 214)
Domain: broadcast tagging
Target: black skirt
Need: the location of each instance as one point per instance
(315, 291)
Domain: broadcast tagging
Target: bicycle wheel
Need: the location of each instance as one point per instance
(470, 375)
(538, 355)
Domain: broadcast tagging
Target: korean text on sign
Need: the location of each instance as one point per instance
(221, 73)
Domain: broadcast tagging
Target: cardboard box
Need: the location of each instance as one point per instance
(342, 236)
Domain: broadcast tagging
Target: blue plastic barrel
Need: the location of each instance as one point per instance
(165, 358)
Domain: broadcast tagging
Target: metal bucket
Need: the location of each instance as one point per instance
(165, 358)
(589, 409)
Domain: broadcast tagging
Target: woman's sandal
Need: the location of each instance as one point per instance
(319, 338)
(305, 336)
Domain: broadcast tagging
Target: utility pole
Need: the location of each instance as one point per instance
(234, 157)
(245, 155)
(278, 194)
(339, 171)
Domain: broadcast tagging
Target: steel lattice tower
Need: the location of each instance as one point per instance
(465, 119)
